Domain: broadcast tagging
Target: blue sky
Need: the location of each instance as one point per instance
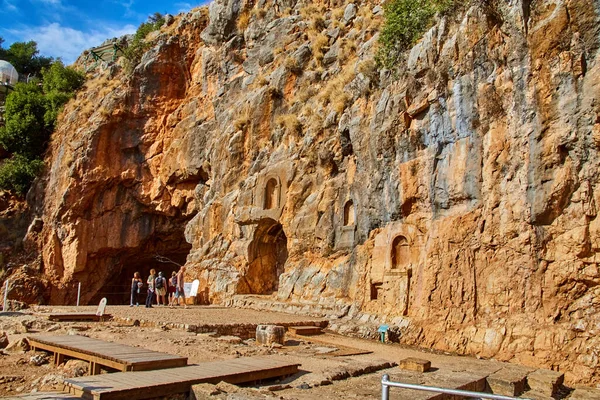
(64, 28)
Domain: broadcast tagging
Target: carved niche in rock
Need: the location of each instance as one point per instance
(345, 235)
(396, 255)
(271, 195)
(268, 196)
(267, 255)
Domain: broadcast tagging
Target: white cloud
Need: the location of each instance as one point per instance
(67, 43)
(51, 2)
(8, 6)
(184, 7)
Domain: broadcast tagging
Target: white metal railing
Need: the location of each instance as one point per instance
(386, 384)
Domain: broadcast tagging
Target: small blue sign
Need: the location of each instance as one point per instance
(383, 328)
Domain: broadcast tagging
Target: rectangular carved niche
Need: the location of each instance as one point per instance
(345, 237)
(376, 290)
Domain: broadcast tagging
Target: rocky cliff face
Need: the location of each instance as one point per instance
(258, 143)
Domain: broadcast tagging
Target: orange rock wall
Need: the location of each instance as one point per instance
(471, 174)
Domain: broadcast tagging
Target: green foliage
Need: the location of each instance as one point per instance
(25, 131)
(405, 23)
(59, 84)
(30, 114)
(18, 172)
(57, 77)
(24, 56)
(138, 46)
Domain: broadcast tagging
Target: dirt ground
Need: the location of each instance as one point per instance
(332, 366)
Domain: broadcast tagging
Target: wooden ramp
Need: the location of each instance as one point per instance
(149, 384)
(43, 396)
(100, 353)
(78, 316)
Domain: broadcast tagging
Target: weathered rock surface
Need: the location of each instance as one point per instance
(457, 201)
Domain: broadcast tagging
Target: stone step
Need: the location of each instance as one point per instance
(268, 303)
(584, 393)
(509, 381)
(415, 364)
(534, 395)
(545, 382)
(443, 378)
(305, 330)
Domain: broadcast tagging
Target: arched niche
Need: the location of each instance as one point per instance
(267, 257)
(271, 198)
(400, 252)
(349, 213)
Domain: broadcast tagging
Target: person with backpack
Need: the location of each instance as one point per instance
(150, 282)
(160, 284)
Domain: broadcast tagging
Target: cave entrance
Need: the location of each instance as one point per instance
(268, 254)
(117, 288)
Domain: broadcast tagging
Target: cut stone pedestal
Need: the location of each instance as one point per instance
(508, 381)
(268, 334)
(415, 364)
(545, 382)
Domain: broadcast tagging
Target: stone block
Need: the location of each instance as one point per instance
(585, 393)
(268, 334)
(204, 391)
(415, 364)
(545, 382)
(508, 381)
(305, 330)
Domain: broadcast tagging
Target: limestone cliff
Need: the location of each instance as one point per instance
(257, 142)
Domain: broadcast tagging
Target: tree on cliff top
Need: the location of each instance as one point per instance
(60, 84)
(30, 114)
(24, 56)
(405, 22)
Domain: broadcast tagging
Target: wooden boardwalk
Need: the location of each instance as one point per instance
(43, 396)
(149, 384)
(100, 353)
(78, 316)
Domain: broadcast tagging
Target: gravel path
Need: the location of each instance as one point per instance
(193, 315)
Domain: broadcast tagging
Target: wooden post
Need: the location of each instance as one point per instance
(4, 306)
(94, 368)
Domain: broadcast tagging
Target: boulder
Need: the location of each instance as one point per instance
(3, 340)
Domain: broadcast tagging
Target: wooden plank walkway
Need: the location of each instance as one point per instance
(43, 396)
(78, 316)
(149, 384)
(100, 353)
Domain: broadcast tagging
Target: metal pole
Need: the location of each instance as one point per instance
(78, 292)
(464, 393)
(385, 389)
(4, 306)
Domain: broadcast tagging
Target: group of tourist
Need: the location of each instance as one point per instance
(161, 287)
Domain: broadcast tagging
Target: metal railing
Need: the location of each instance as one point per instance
(386, 384)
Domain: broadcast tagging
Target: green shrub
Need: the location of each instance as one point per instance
(25, 131)
(405, 22)
(30, 115)
(59, 84)
(17, 173)
(138, 46)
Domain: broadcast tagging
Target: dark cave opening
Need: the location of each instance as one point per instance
(117, 287)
